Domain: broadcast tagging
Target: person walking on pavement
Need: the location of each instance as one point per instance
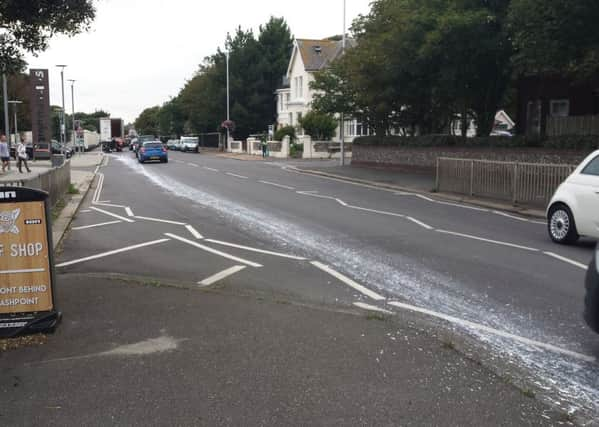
(264, 146)
(22, 156)
(4, 153)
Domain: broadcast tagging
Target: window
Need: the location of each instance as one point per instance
(290, 119)
(301, 86)
(592, 168)
(300, 131)
(559, 108)
(287, 99)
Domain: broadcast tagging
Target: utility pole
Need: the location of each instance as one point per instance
(16, 104)
(5, 96)
(228, 104)
(342, 126)
(73, 114)
(62, 115)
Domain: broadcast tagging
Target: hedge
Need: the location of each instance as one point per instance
(577, 143)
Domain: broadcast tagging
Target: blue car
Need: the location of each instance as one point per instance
(152, 151)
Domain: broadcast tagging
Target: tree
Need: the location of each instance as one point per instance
(28, 25)
(147, 123)
(557, 37)
(321, 127)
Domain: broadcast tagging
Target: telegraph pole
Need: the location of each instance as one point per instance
(342, 126)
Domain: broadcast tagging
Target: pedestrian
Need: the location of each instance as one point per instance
(4, 153)
(22, 156)
(264, 146)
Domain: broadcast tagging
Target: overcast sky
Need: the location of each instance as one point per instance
(139, 53)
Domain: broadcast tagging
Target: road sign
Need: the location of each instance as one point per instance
(26, 263)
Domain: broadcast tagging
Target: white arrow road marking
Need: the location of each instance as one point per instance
(214, 251)
(493, 331)
(122, 218)
(262, 251)
(222, 275)
(85, 227)
(194, 232)
(351, 283)
(568, 260)
(109, 253)
(369, 307)
(165, 221)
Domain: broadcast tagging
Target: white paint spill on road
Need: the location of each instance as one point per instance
(122, 218)
(214, 251)
(195, 233)
(222, 275)
(102, 224)
(567, 260)
(493, 331)
(114, 252)
(349, 282)
(250, 249)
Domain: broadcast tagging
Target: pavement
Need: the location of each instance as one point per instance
(210, 291)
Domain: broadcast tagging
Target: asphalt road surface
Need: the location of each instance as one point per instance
(491, 277)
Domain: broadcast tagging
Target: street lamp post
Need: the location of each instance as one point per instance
(15, 103)
(73, 113)
(5, 97)
(62, 115)
(342, 127)
(228, 104)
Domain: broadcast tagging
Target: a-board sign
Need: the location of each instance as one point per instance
(26, 262)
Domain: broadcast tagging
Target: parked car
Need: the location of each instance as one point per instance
(172, 144)
(68, 152)
(574, 208)
(132, 144)
(41, 151)
(151, 151)
(190, 143)
(591, 299)
(140, 141)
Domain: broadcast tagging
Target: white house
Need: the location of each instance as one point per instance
(294, 98)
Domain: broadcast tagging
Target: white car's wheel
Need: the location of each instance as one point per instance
(561, 225)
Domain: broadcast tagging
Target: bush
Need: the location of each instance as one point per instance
(576, 143)
(285, 131)
(321, 127)
(296, 150)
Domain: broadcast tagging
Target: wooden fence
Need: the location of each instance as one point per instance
(573, 125)
(519, 183)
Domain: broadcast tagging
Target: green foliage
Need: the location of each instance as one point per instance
(320, 126)
(28, 25)
(285, 131)
(555, 37)
(148, 121)
(296, 150)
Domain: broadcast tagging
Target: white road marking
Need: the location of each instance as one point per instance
(122, 218)
(129, 211)
(165, 221)
(110, 205)
(222, 275)
(369, 307)
(420, 223)
(496, 242)
(85, 227)
(493, 331)
(98, 191)
(179, 161)
(211, 169)
(214, 251)
(517, 218)
(193, 165)
(237, 176)
(286, 187)
(194, 232)
(117, 251)
(351, 283)
(30, 270)
(85, 211)
(262, 251)
(568, 260)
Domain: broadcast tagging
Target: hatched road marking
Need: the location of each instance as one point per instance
(222, 275)
(351, 283)
(262, 251)
(122, 218)
(85, 227)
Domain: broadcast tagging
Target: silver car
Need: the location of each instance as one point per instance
(190, 143)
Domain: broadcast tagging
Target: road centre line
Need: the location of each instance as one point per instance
(374, 308)
(109, 253)
(214, 251)
(250, 249)
(222, 275)
(165, 221)
(482, 239)
(30, 270)
(193, 165)
(493, 331)
(568, 260)
(420, 223)
(351, 283)
(122, 218)
(286, 187)
(85, 227)
(211, 169)
(237, 176)
(194, 232)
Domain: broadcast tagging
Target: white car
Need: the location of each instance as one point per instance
(574, 208)
(190, 143)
